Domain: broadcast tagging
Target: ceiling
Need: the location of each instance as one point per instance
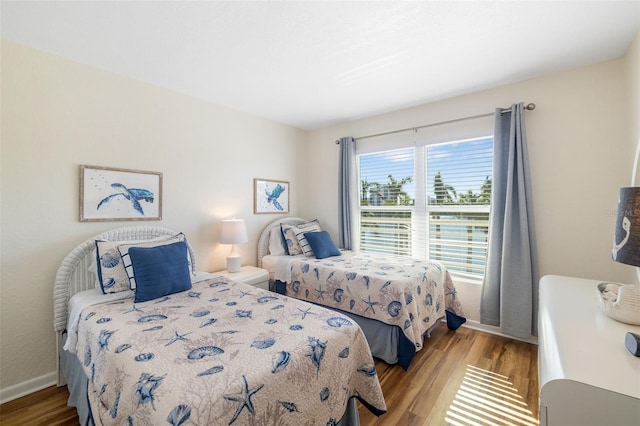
(314, 64)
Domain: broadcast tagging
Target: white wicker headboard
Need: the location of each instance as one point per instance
(263, 241)
(73, 273)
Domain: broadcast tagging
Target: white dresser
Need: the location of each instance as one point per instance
(256, 277)
(586, 375)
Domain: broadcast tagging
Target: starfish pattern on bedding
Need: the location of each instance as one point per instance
(321, 292)
(176, 338)
(306, 312)
(245, 293)
(133, 309)
(370, 305)
(243, 398)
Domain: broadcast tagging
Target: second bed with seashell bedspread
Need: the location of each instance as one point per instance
(411, 294)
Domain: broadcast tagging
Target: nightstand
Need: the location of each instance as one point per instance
(256, 277)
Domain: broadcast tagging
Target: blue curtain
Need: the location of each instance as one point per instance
(347, 191)
(510, 288)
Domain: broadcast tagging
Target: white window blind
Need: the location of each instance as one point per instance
(387, 199)
(429, 202)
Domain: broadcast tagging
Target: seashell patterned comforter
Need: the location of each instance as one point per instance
(400, 291)
(225, 353)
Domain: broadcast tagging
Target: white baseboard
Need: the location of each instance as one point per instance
(25, 388)
(476, 325)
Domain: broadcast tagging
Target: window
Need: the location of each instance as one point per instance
(387, 200)
(429, 202)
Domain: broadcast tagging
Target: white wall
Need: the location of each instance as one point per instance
(632, 82)
(581, 146)
(56, 115)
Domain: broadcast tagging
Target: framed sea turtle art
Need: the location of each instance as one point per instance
(270, 196)
(112, 194)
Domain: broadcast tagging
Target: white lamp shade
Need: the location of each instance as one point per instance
(234, 231)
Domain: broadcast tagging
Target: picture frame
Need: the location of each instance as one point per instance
(114, 194)
(270, 196)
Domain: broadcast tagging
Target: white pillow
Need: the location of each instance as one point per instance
(93, 267)
(276, 245)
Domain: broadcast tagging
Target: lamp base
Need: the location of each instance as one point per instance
(234, 264)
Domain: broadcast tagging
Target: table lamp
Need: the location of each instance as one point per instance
(233, 232)
(622, 302)
(626, 247)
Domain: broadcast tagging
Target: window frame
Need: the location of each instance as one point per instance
(421, 210)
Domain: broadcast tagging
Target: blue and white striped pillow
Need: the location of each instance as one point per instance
(302, 240)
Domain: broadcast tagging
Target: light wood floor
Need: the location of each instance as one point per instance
(461, 378)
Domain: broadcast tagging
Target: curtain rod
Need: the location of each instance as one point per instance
(529, 107)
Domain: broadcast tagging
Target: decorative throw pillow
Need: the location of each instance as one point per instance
(112, 277)
(108, 267)
(322, 244)
(292, 247)
(302, 240)
(126, 260)
(160, 270)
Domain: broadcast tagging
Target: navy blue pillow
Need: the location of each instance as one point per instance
(160, 270)
(322, 244)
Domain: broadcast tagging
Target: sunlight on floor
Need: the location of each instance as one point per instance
(487, 398)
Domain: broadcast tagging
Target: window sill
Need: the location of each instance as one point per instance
(460, 278)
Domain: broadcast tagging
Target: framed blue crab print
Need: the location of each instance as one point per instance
(270, 196)
(111, 194)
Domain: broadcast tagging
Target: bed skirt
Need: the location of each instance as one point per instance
(77, 383)
(387, 342)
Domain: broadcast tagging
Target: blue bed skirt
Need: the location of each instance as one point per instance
(387, 342)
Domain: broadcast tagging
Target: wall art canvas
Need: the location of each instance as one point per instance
(270, 196)
(111, 194)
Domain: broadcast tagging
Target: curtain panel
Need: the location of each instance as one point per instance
(347, 192)
(510, 288)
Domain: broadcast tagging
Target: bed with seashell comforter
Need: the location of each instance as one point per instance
(396, 300)
(218, 352)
